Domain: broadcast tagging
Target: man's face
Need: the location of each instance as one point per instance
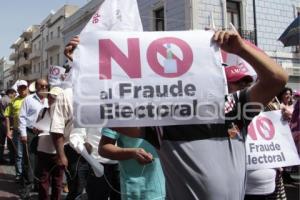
(42, 87)
(238, 85)
(12, 95)
(287, 97)
(23, 90)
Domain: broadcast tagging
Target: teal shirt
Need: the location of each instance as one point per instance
(138, 181)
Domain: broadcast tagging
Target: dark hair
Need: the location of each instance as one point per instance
(282, 92)
(10, 91)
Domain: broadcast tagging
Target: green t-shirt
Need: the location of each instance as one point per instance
(138, 181)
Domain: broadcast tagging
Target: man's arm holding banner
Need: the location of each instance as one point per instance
(268, 71)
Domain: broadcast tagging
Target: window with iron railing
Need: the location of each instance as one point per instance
(248, 35)
(233, 13)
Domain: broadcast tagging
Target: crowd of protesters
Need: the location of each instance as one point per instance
(170, 162)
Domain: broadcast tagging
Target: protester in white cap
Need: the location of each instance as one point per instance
(13, 133)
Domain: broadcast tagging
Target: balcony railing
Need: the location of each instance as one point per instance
(53, 43)
(27, 34)
(24, 62)
(25, 46)
(13, 56)
(248, 35)
(35, 54)
(292, 70)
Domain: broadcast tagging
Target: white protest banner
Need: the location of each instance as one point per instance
(148, 78)
(112, 15)
(115, 15)
(269, 142)
(55, 75)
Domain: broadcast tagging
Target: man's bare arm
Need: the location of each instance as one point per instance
(108, 149)
(271, 77)
(58, 141)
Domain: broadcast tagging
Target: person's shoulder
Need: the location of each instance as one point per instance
(238, 96)
(93, 131)
(29, 97)
(68, 91)
(18, 99)
(3, 100)
(66, 94)
(235, 100)
(110, 133)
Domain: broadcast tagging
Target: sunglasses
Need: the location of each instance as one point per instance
(44, 86)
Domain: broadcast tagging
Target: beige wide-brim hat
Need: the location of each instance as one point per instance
(54, 91)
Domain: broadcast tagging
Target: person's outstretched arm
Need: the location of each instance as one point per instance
(271, 77)
(108, 149)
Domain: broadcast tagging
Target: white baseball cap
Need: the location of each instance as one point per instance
(22, 82)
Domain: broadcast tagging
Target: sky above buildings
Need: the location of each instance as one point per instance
(17, 15)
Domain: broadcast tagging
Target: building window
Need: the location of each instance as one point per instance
(51, 60)
(57, 59)
(39, 47)
(39, 67)
(58, 31)
(233, 14)
(159, 19)
(26, 56)
(51, 35)
(47, 38)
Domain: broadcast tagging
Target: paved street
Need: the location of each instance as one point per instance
(9, 189)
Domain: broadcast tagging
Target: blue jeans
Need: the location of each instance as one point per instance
(19, 154)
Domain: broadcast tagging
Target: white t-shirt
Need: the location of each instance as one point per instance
(260, 182)
(45, 143)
